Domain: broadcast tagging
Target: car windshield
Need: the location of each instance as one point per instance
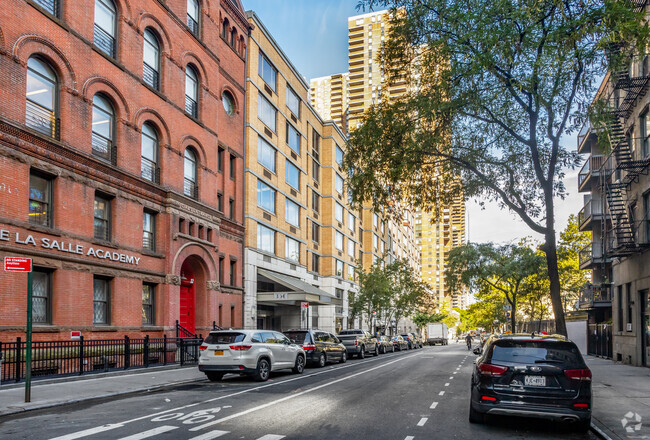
(298, 337)
(512, 352)
(224, 338)
(349, 332)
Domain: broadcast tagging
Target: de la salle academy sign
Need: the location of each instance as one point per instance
(69, 247)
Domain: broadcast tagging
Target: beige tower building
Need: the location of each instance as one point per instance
(329, 94)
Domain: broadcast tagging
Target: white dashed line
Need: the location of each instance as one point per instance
(433, 405)
(150, 433)
(210, 435)
(447, 384)
(441, 393)
(271, 437)
(409, 437)
(451, 377)
(422, 421)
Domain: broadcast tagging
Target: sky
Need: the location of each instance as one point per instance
(314, 35)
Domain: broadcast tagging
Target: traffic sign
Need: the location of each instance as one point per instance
(508, 314)
(75, 335)
(507, 308)
(18, 264)
(304, 305)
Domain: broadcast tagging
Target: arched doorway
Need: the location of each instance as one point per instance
(188, 298)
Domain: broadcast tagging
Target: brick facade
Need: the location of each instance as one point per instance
(198, 233)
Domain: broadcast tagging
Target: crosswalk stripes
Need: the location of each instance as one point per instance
(150, 433)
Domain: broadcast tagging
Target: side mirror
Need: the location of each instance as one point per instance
(477, 350)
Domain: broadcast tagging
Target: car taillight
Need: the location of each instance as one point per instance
(203, 347)
(489, 398)
(583, 374)
(581, 405)
(308, 347)
(492, 370)
(356, 342)
(240, 347)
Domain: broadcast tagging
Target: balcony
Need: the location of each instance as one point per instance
(587, 138)
(595, 295)
(591, 255)
(590, 169)
(592, 211)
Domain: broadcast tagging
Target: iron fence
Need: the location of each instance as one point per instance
(599, 340)
(68, 358)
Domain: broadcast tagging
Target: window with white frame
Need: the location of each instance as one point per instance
(292, 175)
(339, 184)
(339, 212)
(293, 102)
(351, 221)
(293, 138)
(375, 241)
(266, 112)
(351, 248)
(265, 154)
(375, 220)
(265, 239)
(339, 268)
(265, 197)
(339, 156)
(267, 71)
(338, 241)
(292, 249)
(350, 273)
(292, 213)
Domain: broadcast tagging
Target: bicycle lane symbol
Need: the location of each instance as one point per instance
(191, 418)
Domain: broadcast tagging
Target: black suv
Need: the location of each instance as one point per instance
(532, 376)
(320, 346)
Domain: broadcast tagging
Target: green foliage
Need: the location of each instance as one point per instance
(421, 318)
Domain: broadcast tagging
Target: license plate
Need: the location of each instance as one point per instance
(218, 352)
(535, 381)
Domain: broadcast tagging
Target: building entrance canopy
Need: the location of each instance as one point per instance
(290, 290)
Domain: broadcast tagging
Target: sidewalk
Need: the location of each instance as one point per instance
(617, 391)
(48, 393)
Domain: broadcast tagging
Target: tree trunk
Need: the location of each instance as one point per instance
(550, 248)
(513, 314)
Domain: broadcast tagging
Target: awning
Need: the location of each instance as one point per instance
(293, 291)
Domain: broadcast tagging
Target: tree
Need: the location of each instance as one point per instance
(494, 85)
(493, 269)
(421, 318)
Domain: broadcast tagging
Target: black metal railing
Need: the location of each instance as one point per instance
(193, 25)
(599, 340)
(150, 171)
(68, 358)
(41, 119)
(103, 148)
(151, 76)
(182, 332)
(51, 6)
(191, 189)
(191, 107)
(104, 41)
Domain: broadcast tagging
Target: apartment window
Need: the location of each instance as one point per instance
(375, 220)
(646, 208)
(103, 128)
(190, 188)
(315, 201)
(191, 91)
(51, 6)
(233, 272)
(315, 144)
(40, 199)
(233, 166)
(292, 213)
(219, 202)
(265, 197)
(338, 240)
(315, 232)
(221, 263)
(224, 28)
(375, 241)
(105, 26)
(101, 300)
(193, 14)
(383, 227)
(151, 59)
(233, 37)
(292, 249)
(265, 154)
(265, 239)
(149, 230)
(102, 218)
(315, 260)
(41, 111)
(351, 249)
(266, 112)
(148, 297)
(351, 221)
(220, 153)
(382, 246)
(231, 208)
(339, 184)
(645, 135)
(350, 273)
(41, 296)
(267, 71)
(315, 167)
(339, 268)
(339, 156)
(338, 213)
(292, 175)
(228, 103)
(293, 102)
(293, 138)
(149, 145)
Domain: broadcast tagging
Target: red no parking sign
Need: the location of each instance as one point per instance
(18, 264)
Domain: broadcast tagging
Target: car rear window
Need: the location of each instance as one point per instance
(224, 338)
(349, 332)
(298, 337)
(564, 354)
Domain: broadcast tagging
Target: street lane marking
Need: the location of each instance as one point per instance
(292, 396)
(150, 433)
(210, 435)
(447, 384)
(433, 405)
(441, 393)
(271, 437)
(88, 432)
(409, 437)
(422, 421)
(451, 377)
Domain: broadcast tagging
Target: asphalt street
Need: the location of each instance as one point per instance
(417, 394)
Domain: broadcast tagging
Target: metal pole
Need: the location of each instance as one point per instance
(28, 356)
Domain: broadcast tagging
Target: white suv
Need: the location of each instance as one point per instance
(252, 352)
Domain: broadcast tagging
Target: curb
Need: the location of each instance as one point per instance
(599, 432)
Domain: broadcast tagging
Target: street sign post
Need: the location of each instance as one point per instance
(304, 314)
(18, 264)
(507, 308)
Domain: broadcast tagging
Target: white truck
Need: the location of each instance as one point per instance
(437, 333)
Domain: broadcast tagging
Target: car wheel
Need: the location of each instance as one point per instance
(214, 376)
(299, 367)
(362, 353)
(322, 360)
(376, 352)
(382, 350)
(344, 357)
(475, 416)
(583, 425)
(262, 371)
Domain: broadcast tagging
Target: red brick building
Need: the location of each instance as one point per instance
(121, 165)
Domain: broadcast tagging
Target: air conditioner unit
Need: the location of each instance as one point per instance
(629, 326)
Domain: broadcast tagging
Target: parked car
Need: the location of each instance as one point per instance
(412, 340)
(419, 342)
(359, 342)
(531, 376)
(320, 347)
(249, 352)
(400, 343)
(385, 345)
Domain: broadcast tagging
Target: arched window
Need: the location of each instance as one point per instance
(228, 102)
(149, 153)
(191, 91)
(42, 95)
(224, 28)
(233, 37)
(190, 188)
(193, 12)
(151, 59)
(103, 129)
(105, 26)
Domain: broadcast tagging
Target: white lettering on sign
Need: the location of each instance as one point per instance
(280, 296)
(69, 247)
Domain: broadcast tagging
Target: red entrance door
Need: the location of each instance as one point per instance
(187, 298)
